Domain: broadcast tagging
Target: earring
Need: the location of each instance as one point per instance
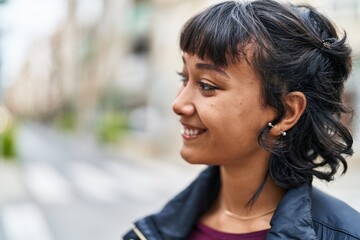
(283, 133)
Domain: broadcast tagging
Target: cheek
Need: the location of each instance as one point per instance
(225, 126)
(238, 122)
(228, 116)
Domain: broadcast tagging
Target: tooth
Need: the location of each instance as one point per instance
(191, 132)
(182, 131)
(187, 131)
(196, 132)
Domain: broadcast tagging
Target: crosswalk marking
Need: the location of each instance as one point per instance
(93, 182)
(47, 185)
(24, 221)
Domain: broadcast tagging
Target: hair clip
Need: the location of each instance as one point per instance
(326, 43)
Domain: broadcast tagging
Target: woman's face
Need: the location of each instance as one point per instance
(221, 112)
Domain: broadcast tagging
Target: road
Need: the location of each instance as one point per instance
(67, 188)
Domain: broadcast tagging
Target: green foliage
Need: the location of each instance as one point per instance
(8, 144)
(67, 121)
(112, 126)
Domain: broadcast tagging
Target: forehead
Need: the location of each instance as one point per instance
(243, 52)
(240, 70)
(246, 56)
(205, 65)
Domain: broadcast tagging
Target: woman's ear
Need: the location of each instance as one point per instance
(295, 104)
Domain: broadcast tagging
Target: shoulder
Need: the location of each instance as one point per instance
(331, 215)
(178, 217)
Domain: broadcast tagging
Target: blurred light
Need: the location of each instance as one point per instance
(5, 119)
(22, 22)
(89, 11)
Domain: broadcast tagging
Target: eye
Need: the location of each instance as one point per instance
(205, 87)
(183, 78)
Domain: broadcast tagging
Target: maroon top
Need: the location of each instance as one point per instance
(202, 232)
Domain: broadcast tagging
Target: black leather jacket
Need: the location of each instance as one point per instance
(303, 213)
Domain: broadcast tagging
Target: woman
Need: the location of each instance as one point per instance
(261, 104)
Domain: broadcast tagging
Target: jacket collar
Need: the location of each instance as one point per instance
(291, 219)
(178, 217)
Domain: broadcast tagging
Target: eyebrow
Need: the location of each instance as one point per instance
(207, 66)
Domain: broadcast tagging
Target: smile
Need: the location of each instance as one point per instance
(191, 133)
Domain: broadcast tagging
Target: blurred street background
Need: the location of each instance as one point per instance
(88, 140)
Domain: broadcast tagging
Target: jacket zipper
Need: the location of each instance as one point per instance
(138, 232)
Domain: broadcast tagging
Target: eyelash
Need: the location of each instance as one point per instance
(183, 77)
(203, 86)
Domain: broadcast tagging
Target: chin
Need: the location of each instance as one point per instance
(194, 158)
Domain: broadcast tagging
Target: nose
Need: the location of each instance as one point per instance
(183, 104)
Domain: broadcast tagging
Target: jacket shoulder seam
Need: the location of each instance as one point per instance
(336, 229)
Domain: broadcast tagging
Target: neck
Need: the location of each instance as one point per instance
(239, 184)
(231, 211)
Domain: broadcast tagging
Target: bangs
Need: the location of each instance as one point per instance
(219, 34)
